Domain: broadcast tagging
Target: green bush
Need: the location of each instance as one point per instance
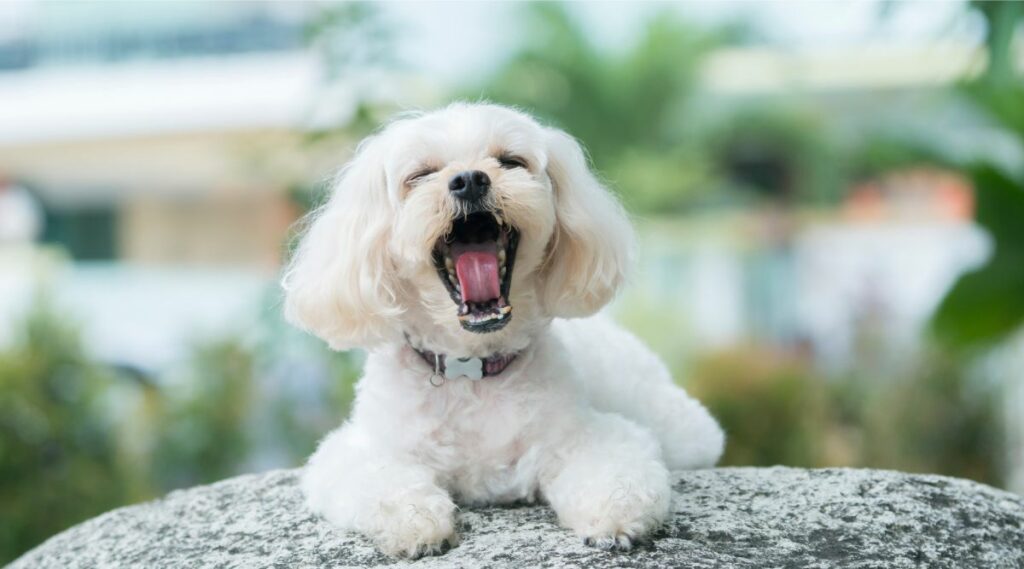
(59, 461)
(937, 419)
(772, 407)
(78, 438)
(776, 409)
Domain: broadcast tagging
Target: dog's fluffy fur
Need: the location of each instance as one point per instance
(586, 417)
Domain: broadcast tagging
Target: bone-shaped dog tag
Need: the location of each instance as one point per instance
(473, 368)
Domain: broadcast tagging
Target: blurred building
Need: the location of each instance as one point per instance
(158, 133)
(159, 144)
(171, 133)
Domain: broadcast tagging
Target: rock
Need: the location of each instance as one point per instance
(727, 517)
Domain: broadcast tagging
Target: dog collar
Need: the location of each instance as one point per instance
(472, 368)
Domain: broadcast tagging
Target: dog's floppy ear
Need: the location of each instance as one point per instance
(340, 284)
(592, 245)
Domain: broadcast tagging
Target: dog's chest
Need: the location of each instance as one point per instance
(485, 445)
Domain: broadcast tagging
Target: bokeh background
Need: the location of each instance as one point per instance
(830, 198)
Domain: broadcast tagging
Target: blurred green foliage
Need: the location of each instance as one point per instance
(78, 438)
(352, 39)
(58, 443)
(879, 153)
(350, 36)
(648, 128)
(776, 408)
(203, 434)
(936, 419)
(780, 152)
(640, 95)
(987, 306)
(630, 110)
(772, 406)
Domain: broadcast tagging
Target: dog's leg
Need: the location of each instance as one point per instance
(689, 436)
(624, 376)
(610, 485)
(355, 484)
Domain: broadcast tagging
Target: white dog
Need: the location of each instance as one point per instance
(454, 247)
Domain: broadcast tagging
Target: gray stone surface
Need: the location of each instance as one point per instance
(728, 517)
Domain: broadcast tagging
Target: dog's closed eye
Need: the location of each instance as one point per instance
(420, 174)
(510, 161)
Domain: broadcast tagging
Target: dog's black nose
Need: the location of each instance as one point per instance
(470, 186)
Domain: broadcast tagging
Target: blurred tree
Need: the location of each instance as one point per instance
(783, 154)
(987, 305)
(355, 43)
(649, 129)
(350, 36)
(629, 110)
(1002, 23)
(59, 460)
(881, 152)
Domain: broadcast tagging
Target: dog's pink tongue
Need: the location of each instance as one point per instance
(478, 276)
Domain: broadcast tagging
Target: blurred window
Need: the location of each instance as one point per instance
(171, 31)
(87, 233)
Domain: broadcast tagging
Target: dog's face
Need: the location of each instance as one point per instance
(469, 227)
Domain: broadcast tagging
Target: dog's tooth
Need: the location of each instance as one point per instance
(501, 255)
(503, 271)
(449, 264)
(497, 217)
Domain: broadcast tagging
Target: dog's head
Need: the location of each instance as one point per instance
(472, 225)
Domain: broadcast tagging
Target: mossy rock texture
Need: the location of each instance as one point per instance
(725, 517)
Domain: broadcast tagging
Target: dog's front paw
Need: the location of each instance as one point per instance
(616, 518)
(617, 542)
(415, 524)
(628, 525)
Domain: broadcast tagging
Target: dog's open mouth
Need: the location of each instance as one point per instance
(474, 261)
